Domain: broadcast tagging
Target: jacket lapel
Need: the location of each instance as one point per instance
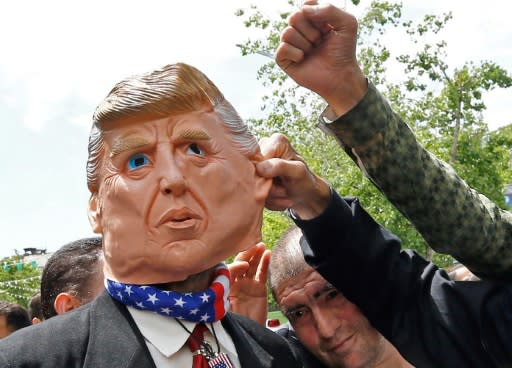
(250, 353)
(115, 341)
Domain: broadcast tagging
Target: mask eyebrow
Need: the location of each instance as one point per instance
(125, 144)
(194, 135)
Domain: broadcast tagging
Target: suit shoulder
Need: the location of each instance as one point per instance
(60, 341)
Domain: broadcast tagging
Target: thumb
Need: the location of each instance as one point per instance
(277, 167)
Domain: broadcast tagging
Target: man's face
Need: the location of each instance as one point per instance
(175, 198)
(4, 328)
(327, 324)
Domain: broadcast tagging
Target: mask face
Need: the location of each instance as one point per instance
(175, 198)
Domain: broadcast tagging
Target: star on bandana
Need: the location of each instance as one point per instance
(140, 305)
(166, 310)
(180, 302)
(128, 290)
(152, 298)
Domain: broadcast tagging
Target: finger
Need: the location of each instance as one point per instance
(307, 30)
(287, 55)
(277, 145)
(247, 254)
(276, 167)
(293, 37)
(262, 272)
(237, 269)
(278, 191)
(255, 260)
(278, 204)
(328, 17)
(267, 147)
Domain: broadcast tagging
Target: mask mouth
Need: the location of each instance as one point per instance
(177, 216)
(182, 219)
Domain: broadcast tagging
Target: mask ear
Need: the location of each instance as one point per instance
(64, 302)
(94, 213)
(262, 185)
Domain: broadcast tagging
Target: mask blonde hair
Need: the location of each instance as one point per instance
(172, 90)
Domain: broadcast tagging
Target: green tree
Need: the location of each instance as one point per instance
(448, 122)
(18, 280)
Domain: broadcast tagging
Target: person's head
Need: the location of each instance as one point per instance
(326, 323)
(12, 317)
(172, 178)
(73, 276)
(34, 309)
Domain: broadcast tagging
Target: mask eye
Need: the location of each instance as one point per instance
(137, 161)
(194, 149)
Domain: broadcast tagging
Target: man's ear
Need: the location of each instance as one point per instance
(64, 302)
(94, 213)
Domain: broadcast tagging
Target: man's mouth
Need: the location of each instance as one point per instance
(340, 346)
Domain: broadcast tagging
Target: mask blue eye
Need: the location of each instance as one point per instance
(195, 150)
(137, 161)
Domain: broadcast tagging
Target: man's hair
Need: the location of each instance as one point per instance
(287, 260)
(16, 316)
(70, 269)
(172, 90)
(34, 307)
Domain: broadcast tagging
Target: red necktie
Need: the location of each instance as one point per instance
(194, 343)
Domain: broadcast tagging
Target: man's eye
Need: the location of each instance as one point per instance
(137, 161)
(332, 294)
(295, 315)
(195, 150)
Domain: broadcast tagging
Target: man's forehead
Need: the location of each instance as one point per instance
(307, 284)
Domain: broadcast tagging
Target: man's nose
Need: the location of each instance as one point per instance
(325, 326)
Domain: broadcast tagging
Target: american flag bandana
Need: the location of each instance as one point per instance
(209, 305)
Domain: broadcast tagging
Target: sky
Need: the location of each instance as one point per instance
(60, 58)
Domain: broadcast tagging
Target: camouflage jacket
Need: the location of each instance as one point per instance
(452, 217)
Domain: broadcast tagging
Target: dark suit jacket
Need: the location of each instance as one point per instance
(431, 320)
(103, 334)
(305, 356)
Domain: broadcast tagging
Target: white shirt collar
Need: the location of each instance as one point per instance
(166, 335)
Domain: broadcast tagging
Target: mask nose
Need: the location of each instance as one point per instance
(172, 181)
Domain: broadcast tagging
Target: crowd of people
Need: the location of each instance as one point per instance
(178, 184)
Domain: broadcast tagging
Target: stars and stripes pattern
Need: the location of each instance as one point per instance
(209, 305)
(220, 361)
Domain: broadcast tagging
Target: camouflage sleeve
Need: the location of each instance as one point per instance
(452, 217)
